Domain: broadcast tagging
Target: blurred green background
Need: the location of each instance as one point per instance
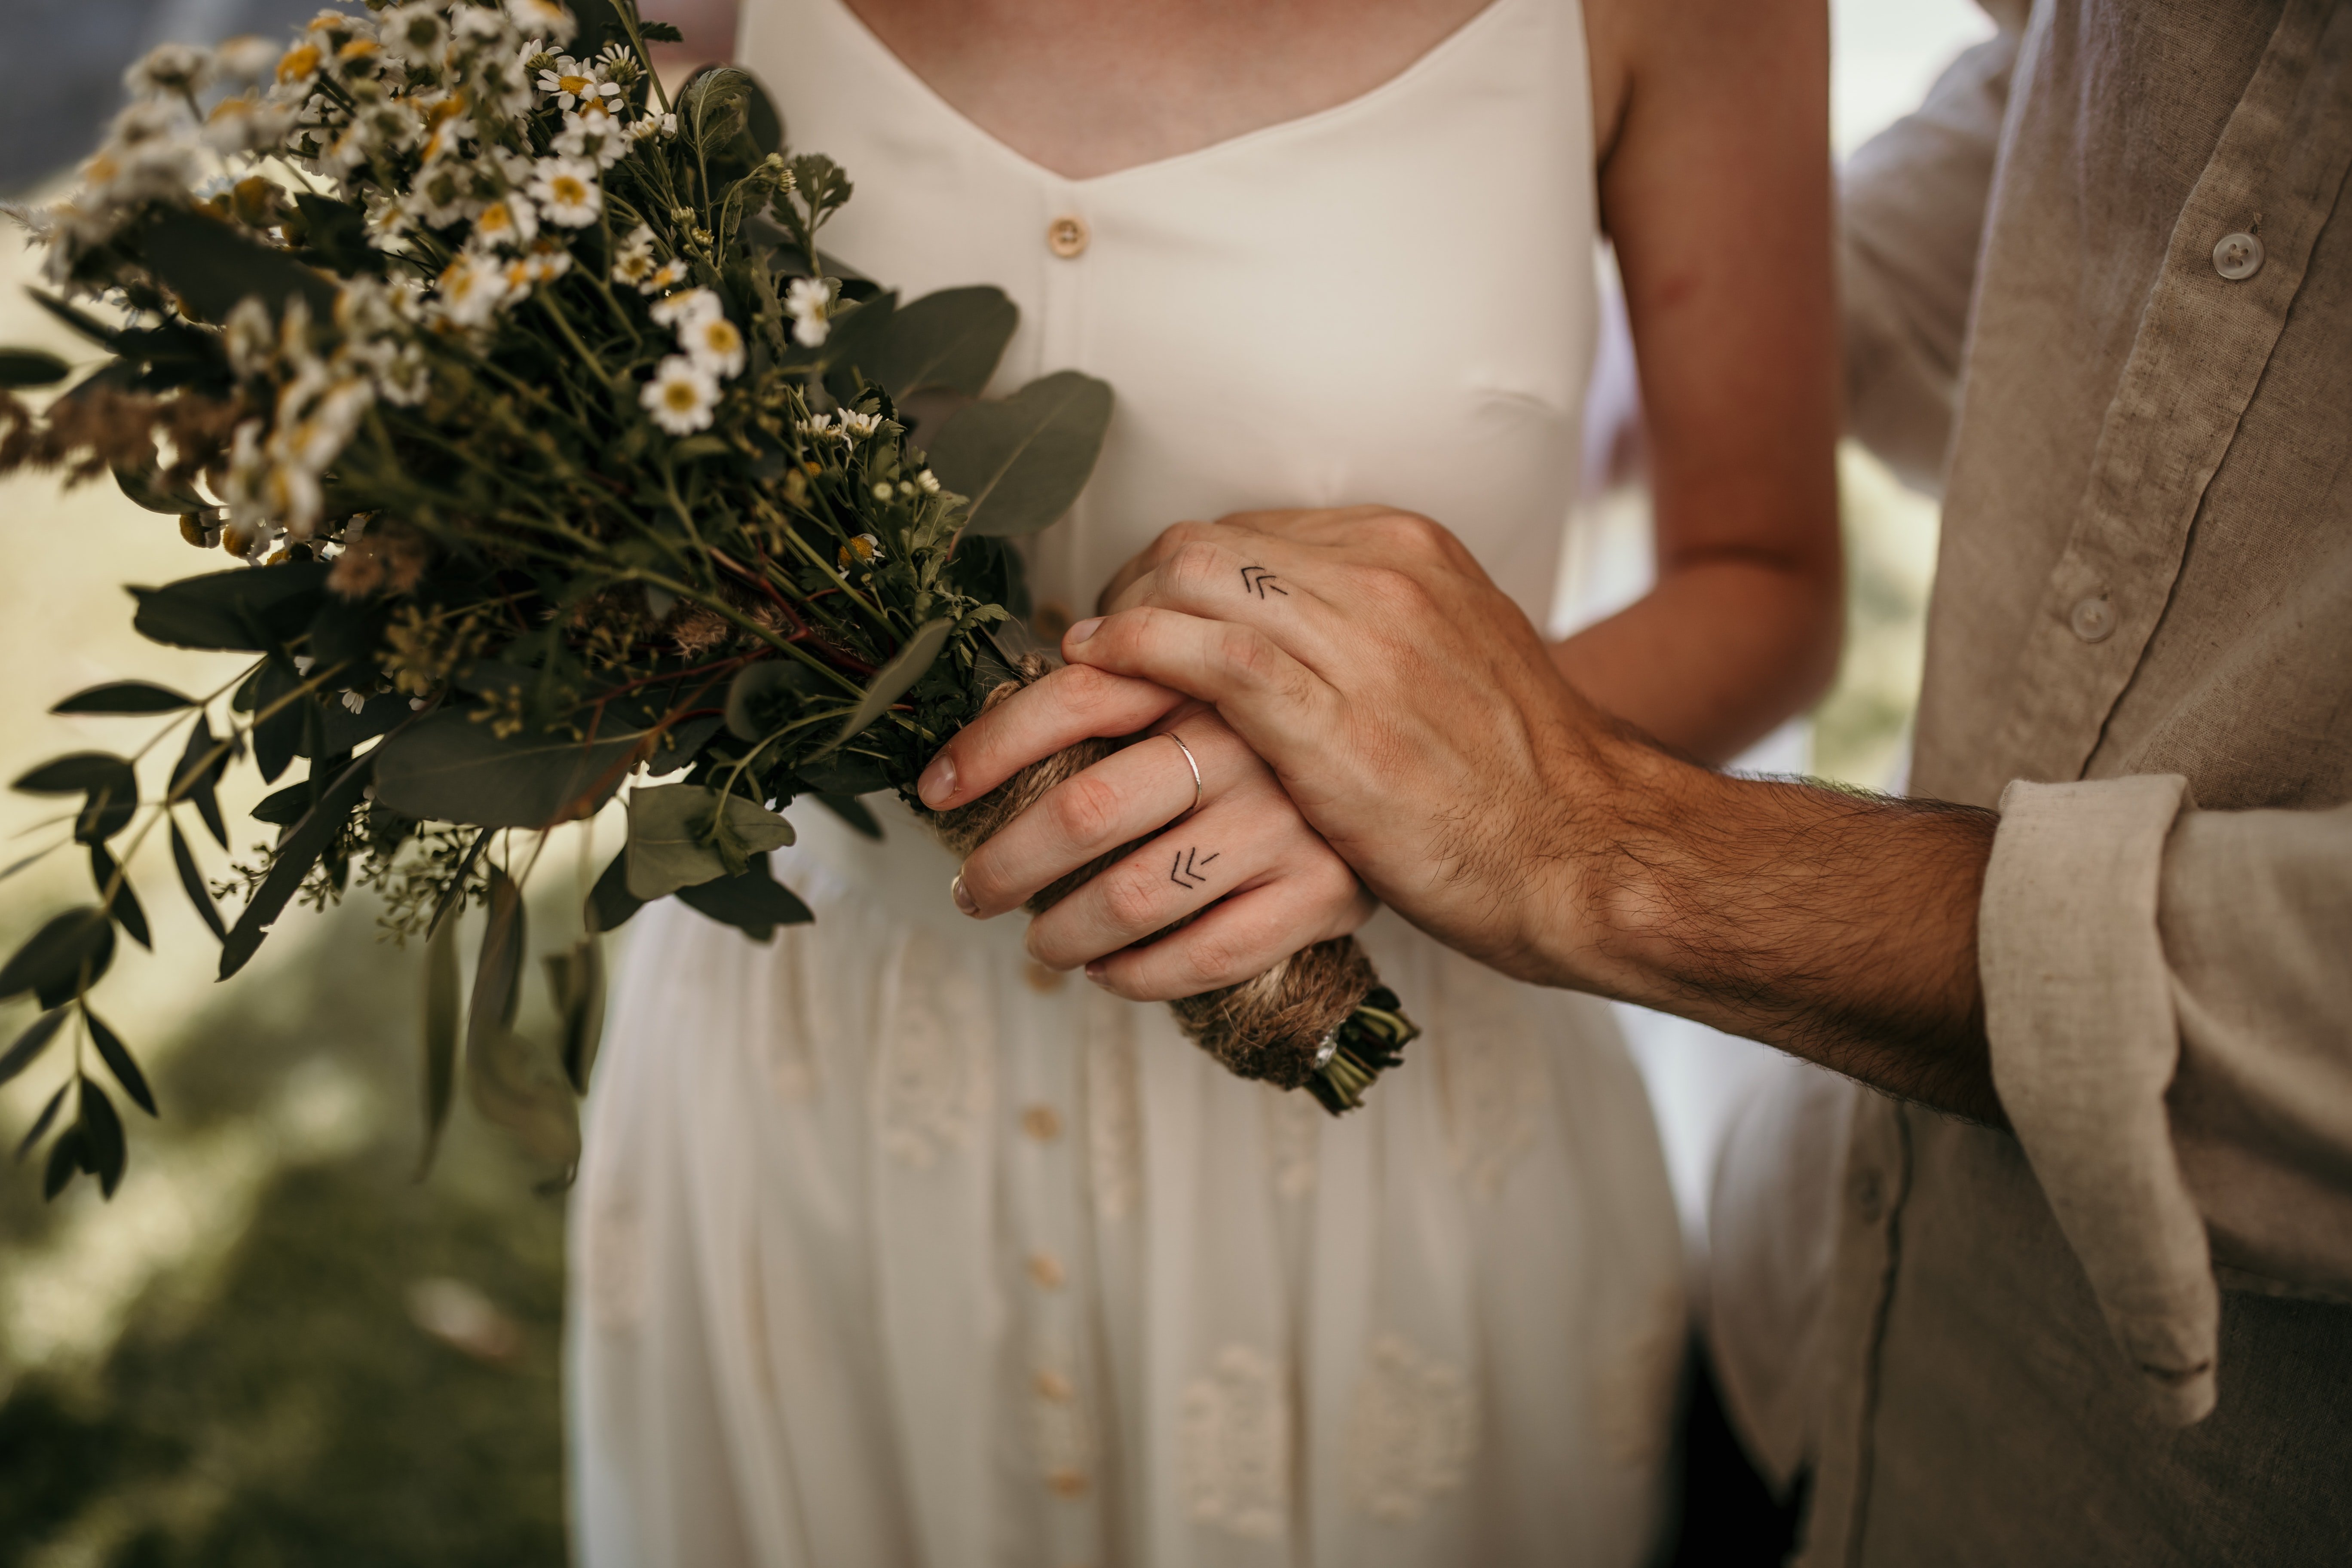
(275, 1345)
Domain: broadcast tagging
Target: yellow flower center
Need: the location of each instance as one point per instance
(680, 396)
(567, 189)
(298, 62)
(577, 86)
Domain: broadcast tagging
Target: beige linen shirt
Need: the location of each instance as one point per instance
(2103, 282)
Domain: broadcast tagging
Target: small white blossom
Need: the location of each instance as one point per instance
(470, 288)
(681, 396)
(855, 424)
(416, 33)
(248, 123)
(632, 259)
(169, 69)
(687, 305)
(712, 342)
(543, 17)
(805, 301)
(250, 337)
(592, 132)
(927, 483)
(547, 260)
(653, 125)
(668, 274)
(353, 701)
(573, 83)
(567, 193)
(507, 224)
(244, 59)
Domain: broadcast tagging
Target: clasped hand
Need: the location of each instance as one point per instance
(1383, 717)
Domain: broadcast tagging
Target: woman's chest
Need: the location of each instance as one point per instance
(1389, 301)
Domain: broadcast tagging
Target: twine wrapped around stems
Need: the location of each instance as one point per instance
(1319, 1020)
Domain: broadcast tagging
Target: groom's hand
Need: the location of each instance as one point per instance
(1407, 706)
(1412, 714)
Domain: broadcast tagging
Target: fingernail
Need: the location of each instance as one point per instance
(1082, 631)
(963, 896)
(936, 786)
(1096, 971)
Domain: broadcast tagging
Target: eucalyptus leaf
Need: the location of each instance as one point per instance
(515, 1083)
(79, 320)
(125, 697)
(610, 902)
(851, 810)
(67, 1154)
(297, 853)
(31, 367)
(196, 775)
(892, 681)
(576, 980)
(1023, 460)
(124, 906)
(192, 881)
(752, 902)
(447, 767)
(498, 970)
(42, 1122)
(680, 835)
(104, 1149)
(108, 788)
(440, 1037)
(118, 1061)
(27, 1047)
(251, 609)
(952, 339)
(149, 488)
(55, 960)
(212, 267)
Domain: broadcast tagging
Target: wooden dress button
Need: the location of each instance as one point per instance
(1067, 236)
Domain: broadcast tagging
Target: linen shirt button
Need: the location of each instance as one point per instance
(1869, 1195)
(1041, 1123)
(1067, 236)
(2237, 258)
(2092, 618)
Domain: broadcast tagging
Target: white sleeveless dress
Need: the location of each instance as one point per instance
(890, 1248)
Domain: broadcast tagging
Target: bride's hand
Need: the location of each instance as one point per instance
(1268, 884)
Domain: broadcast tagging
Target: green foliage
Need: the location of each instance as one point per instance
(1023, 461)
(31, 367)
(125, 697)
(952, 340)
(682, 835)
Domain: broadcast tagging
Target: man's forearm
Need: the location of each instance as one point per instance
(1840, 927)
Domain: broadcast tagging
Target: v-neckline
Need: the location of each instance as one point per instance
(1370, 97)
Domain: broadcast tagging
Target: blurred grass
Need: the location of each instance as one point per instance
(225, 1364)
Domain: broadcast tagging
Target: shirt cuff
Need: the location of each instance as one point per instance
(2079, 1008)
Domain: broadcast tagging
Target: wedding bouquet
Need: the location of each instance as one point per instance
(553, 454)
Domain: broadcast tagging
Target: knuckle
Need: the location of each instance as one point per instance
(1130, 904)
(1083, 809)
(1214, 958)
(1191, 568)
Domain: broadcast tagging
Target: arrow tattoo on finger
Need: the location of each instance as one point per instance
(1186, 866)
(1261, 583)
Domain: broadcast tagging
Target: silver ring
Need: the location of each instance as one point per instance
(1191, 763)
(1327, 1048)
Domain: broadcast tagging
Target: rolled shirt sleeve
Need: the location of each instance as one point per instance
(2169, 995)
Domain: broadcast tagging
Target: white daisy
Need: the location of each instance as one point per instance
(668, 274)
(566, 192)
(573, 83)
(169, 69)
(593, 133)
(653, 125)
(416, 33)
(806, 300)
(632, 260)
(244, 58)
(712, 342)
(544, 17)
(681, 395)
(507, 224)
(471, 288)
(687, 305)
